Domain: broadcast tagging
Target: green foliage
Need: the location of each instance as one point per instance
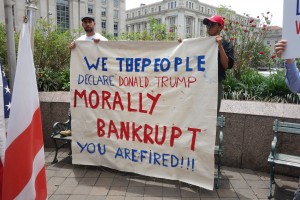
(247, 39)
(254, 86)
(53, 80)
(51, 46)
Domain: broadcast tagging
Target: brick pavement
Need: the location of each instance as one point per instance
(77, 182)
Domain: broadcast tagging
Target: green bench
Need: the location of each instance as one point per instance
(60, 140)
(219, 149)
(276, 158)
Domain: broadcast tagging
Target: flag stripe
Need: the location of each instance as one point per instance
(40, 185)
(37, 179)
(22, 167)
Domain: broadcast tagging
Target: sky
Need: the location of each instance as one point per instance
(254, 7)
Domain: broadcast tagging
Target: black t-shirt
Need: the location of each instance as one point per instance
(230, 54)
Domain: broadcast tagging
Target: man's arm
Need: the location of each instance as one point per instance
(292, 76)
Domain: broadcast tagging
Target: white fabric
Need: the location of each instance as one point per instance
(28, 191)
(21, 112)
(96, 36)
(188, 105)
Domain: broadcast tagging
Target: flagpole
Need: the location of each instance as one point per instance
(32, 7)
(10, 44)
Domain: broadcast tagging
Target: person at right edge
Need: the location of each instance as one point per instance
(214, 26)
(292, 79)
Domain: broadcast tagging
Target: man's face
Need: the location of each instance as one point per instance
(213, 28)
(88, 25)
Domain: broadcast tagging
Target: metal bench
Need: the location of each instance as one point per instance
(59, 140)
(276, 158)
(219, 148)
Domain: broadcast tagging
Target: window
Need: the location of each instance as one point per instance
(103, 24)
(175, 4)
(268, 42)
(172, 5)
(63, 14)
(159, 8)
(127, 15)
(145, 11)
(103, 2)
(116, 3)
(116, 28)
(138, 27)
(139, 13)
(116, 14)
(103, 12)
(152, 10)
(90, 9)
(133, 14)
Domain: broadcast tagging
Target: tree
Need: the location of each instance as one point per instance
(247, 37)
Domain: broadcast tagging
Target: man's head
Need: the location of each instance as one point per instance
(214, 25)
(88, 23)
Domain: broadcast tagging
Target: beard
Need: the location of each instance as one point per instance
(89, 29)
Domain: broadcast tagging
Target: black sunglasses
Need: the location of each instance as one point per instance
(211, 24)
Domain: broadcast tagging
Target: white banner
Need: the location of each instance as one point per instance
(146, 107)
(291, 28)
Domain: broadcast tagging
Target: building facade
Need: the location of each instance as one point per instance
(66, 14)
(272, 37)
(185, 17)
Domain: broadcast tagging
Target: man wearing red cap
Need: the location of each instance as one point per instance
(215, 25)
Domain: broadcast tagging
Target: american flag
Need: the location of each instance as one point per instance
(6, 94)
(5, 100)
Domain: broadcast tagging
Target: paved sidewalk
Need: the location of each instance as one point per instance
(77, 182)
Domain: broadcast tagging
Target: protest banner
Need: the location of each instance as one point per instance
(291, 28)
(146, 107)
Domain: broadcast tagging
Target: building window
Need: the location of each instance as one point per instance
(172, 5)
(145, 11)
(127, 15)
(103, 2)
(103, 24)
(116, 28)
(268, 42)
(138, 27)
(63, 14)
(90, 9)
(116, 3)
(175, 4)
(103, 12)
(116, 14)
(152, 10)
(139, 13)
(159, 8)
(133, 14)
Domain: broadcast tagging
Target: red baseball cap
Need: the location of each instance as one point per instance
(215, 18)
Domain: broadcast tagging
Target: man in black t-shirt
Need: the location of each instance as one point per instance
(215, 25)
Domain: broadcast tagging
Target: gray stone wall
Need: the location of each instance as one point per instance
(247, 133)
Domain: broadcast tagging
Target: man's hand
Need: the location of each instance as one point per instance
(72, 45)
(96, 40)
(219, 40)
(280, 48)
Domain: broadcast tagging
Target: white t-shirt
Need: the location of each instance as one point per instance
(95, 36)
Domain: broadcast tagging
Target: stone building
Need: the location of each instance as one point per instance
(185, 17)
(67, 14)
